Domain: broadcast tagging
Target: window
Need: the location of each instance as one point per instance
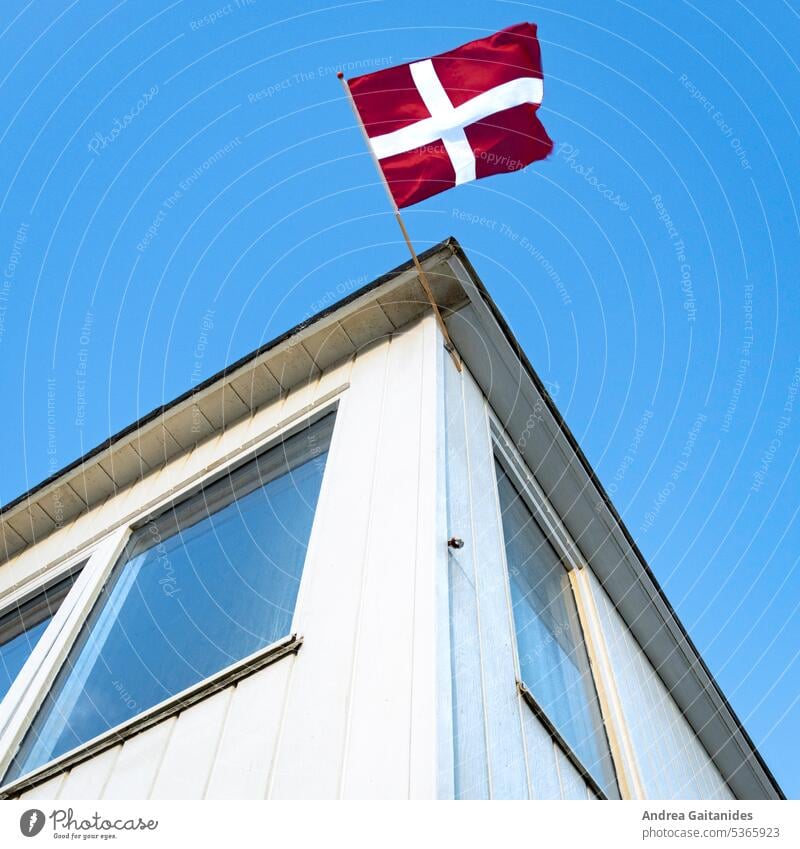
(203, 585)
(21, 628)
(553, 662)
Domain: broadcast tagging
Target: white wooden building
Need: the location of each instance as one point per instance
(341, 568)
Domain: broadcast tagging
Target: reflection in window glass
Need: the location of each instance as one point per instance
(552, 655)
(21, 628)
(207, 583)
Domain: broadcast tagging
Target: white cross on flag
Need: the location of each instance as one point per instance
(456, 117)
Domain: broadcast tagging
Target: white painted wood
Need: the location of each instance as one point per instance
(31, 563)
(673, 762)
(572, 784)
(471, 768)
(311, 743)
(651, 742)
(620, 746)
(46, 577)
(542, 769)
(233, 744)
(257, 387)
(138, 763)
(191, 749)
(377, 737)
(491, 760)
(431, 732)
(247, 744)
(123, 464)
(523, 759)
(445, 755)
(88, 779)
(506, 755)
(678, 766)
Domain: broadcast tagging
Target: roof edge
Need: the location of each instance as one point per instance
(224, 372)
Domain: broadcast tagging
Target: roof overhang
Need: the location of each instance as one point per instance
(493, 356)
(366, 316)
(514, 390)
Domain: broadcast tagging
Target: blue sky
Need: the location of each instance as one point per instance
(648, 267)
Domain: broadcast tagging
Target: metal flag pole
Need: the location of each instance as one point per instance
(448, 342)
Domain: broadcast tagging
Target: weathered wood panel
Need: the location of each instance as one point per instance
(503, 719)
(47, 789)
(501, 750)
(541, 757)
(471, 767)
(672, 761)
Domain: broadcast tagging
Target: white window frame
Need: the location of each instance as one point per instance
(14, 599)
(614, 723)
(24, 699)
(31, 686)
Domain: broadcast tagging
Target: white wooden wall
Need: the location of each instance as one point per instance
(405, 686)
(353, 714)
(501, 749)
(672, 762)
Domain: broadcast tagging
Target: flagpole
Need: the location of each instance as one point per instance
(448, 342)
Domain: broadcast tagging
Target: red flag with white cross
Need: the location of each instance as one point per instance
(456, 117)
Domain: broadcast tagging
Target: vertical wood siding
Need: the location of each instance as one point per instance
(405, 685)
(353, 714)
(672, 762)
(501, 750)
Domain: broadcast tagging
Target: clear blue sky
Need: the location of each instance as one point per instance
(649, 267)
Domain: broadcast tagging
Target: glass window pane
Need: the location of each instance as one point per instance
(207, 583)
(553, 660)
(21, 628)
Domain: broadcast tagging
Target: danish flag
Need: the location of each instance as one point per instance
(456, 117)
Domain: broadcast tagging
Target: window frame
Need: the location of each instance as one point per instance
(52, 649)
(36, 585)
(22, 609)
(100, 559)
(566, 550)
